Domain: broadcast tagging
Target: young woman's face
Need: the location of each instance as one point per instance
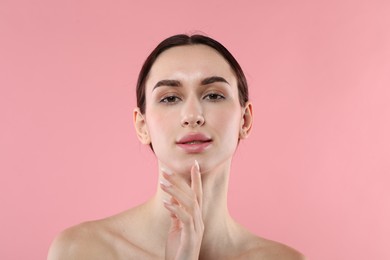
(192, 109)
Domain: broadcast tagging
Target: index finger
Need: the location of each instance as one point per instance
(196, 182)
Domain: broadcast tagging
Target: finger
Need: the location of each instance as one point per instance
(185, 200)
(188, 197)
(178, 187)
(179, 213)
(185, 208)
(196, 186)
(173, 202)
(196, 183)
(178, 181)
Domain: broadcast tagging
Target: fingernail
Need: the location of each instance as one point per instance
(166, 201)
(197, 165)
(166, 171)
(165, 183)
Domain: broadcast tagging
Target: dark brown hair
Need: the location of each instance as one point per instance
(182, 40)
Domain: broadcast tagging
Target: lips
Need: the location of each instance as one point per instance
(194, 138)
(194, 142)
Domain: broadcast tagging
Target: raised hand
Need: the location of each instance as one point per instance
(186, 230)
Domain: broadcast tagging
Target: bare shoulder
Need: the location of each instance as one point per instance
(84, 241)
(261, 248)
(109, 238)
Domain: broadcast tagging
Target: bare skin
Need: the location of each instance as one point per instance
(144, 233)
(191, 91)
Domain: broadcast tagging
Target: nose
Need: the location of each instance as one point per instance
(192, 114)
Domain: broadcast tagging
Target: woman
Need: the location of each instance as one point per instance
(193, 109)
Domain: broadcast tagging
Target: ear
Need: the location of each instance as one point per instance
(140, 126)
(246, 120)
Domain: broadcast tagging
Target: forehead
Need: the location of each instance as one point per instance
(190, 61)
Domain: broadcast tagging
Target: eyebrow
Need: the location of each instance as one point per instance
(213, 79)
(168, 83)
(177, 83)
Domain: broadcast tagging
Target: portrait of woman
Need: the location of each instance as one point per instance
(193, 110)
(195, 129)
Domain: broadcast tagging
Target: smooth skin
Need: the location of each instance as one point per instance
(190, 89)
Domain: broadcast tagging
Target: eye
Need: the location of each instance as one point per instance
(170, 100)
(214, 96)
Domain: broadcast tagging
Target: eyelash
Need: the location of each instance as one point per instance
(166, 99)
(213, 97)
(216, 97)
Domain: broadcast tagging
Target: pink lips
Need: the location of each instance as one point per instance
(194, 142)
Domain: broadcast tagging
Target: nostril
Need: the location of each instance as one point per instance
(192, 121)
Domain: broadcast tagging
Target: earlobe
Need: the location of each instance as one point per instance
(246, 121)
(140, 126)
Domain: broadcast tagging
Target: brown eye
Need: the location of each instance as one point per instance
(214, 96)
(170, 99)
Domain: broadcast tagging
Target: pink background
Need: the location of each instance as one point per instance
(314, 173)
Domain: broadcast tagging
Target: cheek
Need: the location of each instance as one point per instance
(225, 126)
(158, 124)
(228, 121)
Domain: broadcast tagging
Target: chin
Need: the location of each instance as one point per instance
(207, 168)
(183, 167)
